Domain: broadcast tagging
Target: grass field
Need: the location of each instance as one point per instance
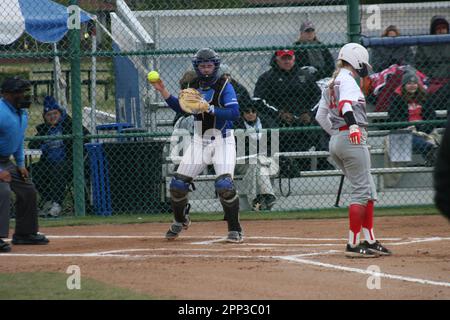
(246, 215)
(52, 286)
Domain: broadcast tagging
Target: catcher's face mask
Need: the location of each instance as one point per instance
(206, 68)
(206, 57)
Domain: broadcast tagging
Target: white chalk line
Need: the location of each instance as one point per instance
(297, 259)
(127, 256)
(215, 238)
(196, 249)
(292, 258)
(418, 240)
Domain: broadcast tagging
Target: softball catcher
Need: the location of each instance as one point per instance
(342, 113)
(212, 100)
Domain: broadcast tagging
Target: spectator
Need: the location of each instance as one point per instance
(13, 124)
(53, 173)
(319, 58)
(384, 57)
(408, 104)
(289, 89)
(242, 93)
(257, 171)
(293, 92)
(434, 60)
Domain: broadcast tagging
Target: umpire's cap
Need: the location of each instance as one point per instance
(14, 85)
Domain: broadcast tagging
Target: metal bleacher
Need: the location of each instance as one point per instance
(318, 188)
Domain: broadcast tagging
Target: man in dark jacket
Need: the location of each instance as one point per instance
(14, 176)
(52, 174)
(289, 89)
(319, 58)
(293, 92)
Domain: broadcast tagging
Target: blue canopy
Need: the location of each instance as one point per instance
(44, 20)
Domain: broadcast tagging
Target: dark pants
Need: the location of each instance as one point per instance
(52, 180)
(26, 202)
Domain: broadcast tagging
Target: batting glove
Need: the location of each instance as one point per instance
(211, 109)
(354, 134)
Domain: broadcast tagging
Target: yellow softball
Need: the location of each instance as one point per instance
(153, 76)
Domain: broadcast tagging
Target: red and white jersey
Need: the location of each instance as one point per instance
(345, 90)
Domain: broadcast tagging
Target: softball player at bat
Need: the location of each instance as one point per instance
(342, 113)
(213, 142)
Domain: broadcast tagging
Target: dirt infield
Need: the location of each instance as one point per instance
(290, 259)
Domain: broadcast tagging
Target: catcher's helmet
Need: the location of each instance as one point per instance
(357, 56)
(206, 55)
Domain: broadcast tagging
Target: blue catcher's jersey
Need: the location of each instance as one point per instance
(226, 108)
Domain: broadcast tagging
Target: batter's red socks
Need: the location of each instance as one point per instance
(367, 224)
(356, 213)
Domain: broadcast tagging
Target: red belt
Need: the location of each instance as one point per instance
(343, 128)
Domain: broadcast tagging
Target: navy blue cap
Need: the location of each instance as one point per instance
(51, 104)
(14, 85)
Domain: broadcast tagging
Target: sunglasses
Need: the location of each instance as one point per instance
(250, 111)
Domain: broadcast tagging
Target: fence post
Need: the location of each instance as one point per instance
(353, 21)
(78, 163)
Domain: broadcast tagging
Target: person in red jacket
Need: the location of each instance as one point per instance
(409, 104)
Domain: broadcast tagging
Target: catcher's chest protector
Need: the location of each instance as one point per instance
(208, 120)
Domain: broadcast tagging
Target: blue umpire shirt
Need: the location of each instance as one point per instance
(225, 115)
(13, 124)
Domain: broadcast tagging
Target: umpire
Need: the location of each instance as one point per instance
(13, 123)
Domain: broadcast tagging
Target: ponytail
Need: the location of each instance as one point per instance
(339, 65)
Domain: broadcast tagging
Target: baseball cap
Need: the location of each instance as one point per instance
(307, 25)
(409, 76)
(249, 109)
(51, 104)
(13, 85)
(284, 52)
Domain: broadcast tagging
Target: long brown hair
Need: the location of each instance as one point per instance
(391, 28)
(419, 96)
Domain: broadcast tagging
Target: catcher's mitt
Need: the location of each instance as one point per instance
(191, 101)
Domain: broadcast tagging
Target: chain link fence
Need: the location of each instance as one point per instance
(101, 140)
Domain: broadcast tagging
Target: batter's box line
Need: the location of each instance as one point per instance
(171, 256)
(198, 237)
(418, 240)
(297, 259)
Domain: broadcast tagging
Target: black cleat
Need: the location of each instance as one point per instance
(377, 248)
(177, 227)
(4, 247)
(359, 252)
(235, 237)
(33, 238)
